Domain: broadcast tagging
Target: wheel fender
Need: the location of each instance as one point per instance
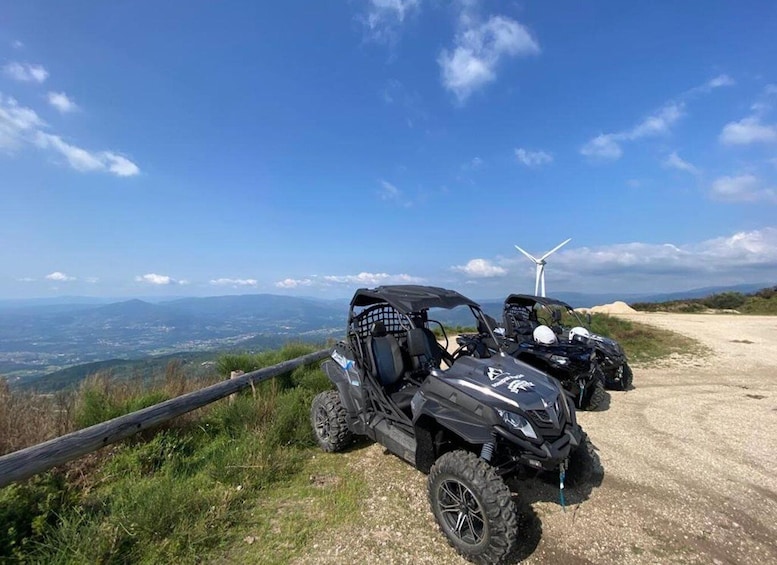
(343, 380)
(470, 429)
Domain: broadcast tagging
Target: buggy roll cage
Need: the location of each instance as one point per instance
(403, 307)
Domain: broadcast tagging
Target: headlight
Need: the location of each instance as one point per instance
(559, 359)
(517, 422)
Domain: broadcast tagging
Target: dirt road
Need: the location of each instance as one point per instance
(690, 458)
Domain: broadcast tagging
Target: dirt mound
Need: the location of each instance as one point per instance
(617, 307)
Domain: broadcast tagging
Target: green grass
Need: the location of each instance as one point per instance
(193, 490)
(644, 343)
(763, 302)
(453, 330)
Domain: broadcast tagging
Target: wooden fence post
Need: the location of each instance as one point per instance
(234, 375)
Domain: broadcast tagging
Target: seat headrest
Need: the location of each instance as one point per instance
(378, 329)
(417, 342)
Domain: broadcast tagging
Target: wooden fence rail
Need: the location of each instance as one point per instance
(26, 462)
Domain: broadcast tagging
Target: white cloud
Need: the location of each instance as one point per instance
(603, 146)
(373, 279)
(79, 159)
(388, 191)
(25, 72)
(92, 280)
(746, 131)
(478, 49)
(59, 277)
(607, 146)
(62, 102)
(118, 164)
(674, 161)
(384, 18)
(649, 268)
(86, 161)
(720, 80)
(26, 279)
(391, 193)
(481, 268)
(756, 248)
(153, 278)
(16, 44)
(658, 123)
(17, 123)
(635, 267)
(293, 283)
(742, 188)
(234, 282)
(533, 158)
(20, 125)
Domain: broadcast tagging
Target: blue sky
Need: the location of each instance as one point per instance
(201, 148)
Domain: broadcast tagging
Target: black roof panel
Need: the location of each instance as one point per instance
(530, 300)
(409, 298)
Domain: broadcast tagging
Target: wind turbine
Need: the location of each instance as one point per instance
(540, 278)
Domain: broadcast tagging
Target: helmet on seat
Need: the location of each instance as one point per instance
(544, 335)
(579, 333)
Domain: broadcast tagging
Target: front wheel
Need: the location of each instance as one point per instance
(594, 396)
(473, 507)
(627, 376)
(585, 467)
(329, 420)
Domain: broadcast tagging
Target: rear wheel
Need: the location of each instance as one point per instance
(473, 507)
(329, 420)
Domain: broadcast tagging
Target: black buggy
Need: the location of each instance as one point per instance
(468, 422)
(570, 328)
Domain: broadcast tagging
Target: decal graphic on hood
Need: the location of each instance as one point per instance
(514, 382)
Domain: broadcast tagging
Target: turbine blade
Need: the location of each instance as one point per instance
(559, 246)
(532, 257)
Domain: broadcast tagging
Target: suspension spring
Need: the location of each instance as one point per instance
(487, 451)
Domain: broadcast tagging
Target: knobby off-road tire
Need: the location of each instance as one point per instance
(585, 467)
(473, 507)
(329, 420)
(627, 377)
(594, 397)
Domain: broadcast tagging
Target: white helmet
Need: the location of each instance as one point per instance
(579, 332)
(544, 335)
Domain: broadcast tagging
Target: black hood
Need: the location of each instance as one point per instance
(503, 382)
(608, 346)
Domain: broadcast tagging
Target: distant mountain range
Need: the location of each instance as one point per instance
(38, 337)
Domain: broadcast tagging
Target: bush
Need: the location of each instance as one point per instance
(98, 403)
(28, 509)
(725, 301)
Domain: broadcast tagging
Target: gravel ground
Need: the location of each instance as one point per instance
(689, 457)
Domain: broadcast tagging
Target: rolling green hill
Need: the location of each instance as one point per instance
(762, 302)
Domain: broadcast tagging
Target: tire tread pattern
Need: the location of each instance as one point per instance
(496, 503)
(340, 436)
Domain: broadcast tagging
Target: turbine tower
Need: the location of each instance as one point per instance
(539, 281)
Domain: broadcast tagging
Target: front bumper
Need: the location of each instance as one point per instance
(548, 455)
